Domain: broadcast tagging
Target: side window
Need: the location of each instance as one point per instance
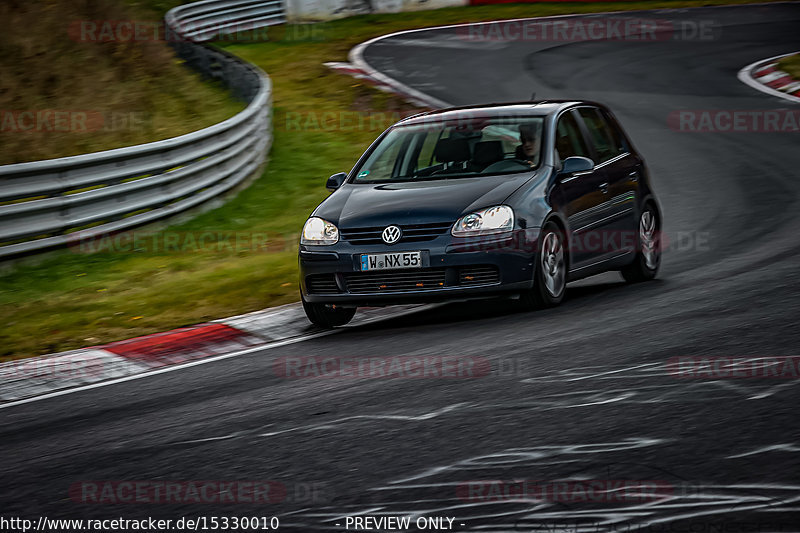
(605, 143)
(616, 133)
(569, 140)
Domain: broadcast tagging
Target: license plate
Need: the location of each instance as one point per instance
(391, 261)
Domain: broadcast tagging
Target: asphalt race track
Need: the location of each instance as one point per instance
(581, 392)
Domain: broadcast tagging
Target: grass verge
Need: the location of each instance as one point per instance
(134, 288)
(66, 89)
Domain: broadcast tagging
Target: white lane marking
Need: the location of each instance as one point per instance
(446, 42)
(329, 425)
(773, 390)
(164, 370)
(734, 503)
(771, 448)
(207, 439)
(532, 456)
(615, 371)
(403, 418)
(746, 76)
(619, 398)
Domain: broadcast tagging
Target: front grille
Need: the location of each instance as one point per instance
(425, 279)
(478, 275)
(322, 284)
(398, 280)
(411, 233)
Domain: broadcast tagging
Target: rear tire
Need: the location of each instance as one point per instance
(328, 316)
(550, 271)
(648, 248)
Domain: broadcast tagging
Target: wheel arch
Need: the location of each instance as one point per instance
(650, 200)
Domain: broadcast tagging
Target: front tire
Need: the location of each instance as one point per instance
(648, 253)
(328, 316)
(550, 272)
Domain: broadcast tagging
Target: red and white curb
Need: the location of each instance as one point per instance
(765, 76)
(49, 375)
(386, 84)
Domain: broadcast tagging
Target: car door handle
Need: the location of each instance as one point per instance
(604, 187)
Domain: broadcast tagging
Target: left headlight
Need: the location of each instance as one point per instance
(497, 219)
(319, 231)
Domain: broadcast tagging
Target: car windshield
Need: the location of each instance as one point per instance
(455, 149)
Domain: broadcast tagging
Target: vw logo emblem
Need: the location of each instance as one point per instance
(391, 234)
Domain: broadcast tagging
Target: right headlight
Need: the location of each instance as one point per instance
(319, 231)
(497, 219)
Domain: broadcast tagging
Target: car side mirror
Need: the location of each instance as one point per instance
(575, 164)
(335, 181)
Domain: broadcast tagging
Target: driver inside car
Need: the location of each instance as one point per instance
(528, 150)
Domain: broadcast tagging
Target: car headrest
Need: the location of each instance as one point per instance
(488, 152)
(451, 149)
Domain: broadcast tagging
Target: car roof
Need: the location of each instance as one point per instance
(530, 108)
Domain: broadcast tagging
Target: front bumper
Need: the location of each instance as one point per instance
(452, 270)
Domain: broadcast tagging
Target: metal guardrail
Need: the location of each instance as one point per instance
(211, 19)
(56, 202)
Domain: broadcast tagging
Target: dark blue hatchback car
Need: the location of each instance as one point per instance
(507, 200)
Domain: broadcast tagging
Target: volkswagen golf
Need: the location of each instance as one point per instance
(502, 200)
